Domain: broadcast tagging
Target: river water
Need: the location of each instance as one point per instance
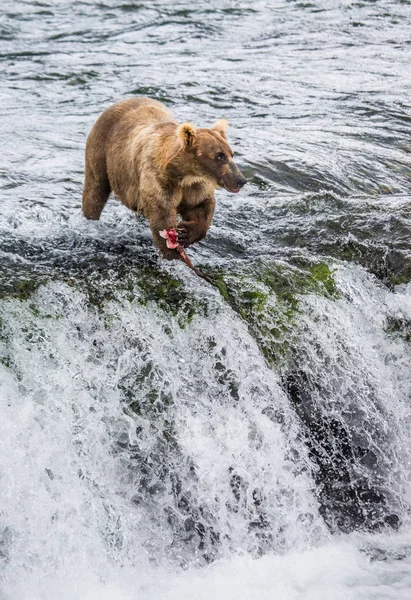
(164, 438)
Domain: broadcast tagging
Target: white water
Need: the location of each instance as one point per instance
(74, 523)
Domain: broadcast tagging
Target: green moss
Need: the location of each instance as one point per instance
(257, 300)
(324, 275)
(144, 286)
(169, 295)
(220, 284)
(399, 327)
(20, 288)
(25, 288)
(109, 319)
(288, 281)
(397, 279)
(157, 287)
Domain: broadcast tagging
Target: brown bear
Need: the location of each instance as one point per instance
(158, 168)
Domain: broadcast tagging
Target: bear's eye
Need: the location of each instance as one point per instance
(220, 157)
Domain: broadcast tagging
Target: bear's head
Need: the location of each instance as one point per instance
(205, 153)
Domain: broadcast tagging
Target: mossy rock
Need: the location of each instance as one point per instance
(144, 286)
(168, 294)
(267, 296)
(399, 327)
(391, 266)
(21, 288)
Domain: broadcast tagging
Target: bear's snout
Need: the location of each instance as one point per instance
(234, 180)
(239, 184)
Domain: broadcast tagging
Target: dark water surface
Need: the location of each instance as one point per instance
(152, 422)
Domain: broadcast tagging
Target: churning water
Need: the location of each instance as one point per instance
(163, 438)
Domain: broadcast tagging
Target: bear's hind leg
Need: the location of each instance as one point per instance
(95, 196)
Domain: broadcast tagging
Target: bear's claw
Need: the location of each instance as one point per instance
(182, 237)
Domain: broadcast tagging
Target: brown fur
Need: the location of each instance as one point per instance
(157, 167)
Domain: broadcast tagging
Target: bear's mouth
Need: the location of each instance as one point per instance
(233, 190)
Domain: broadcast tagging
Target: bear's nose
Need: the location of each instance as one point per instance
(241, 181)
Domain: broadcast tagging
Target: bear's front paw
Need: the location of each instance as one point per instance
(183, 237)
(190, 232)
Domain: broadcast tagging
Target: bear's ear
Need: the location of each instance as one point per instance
(186, 134)
(221, 127)
(171, 145)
